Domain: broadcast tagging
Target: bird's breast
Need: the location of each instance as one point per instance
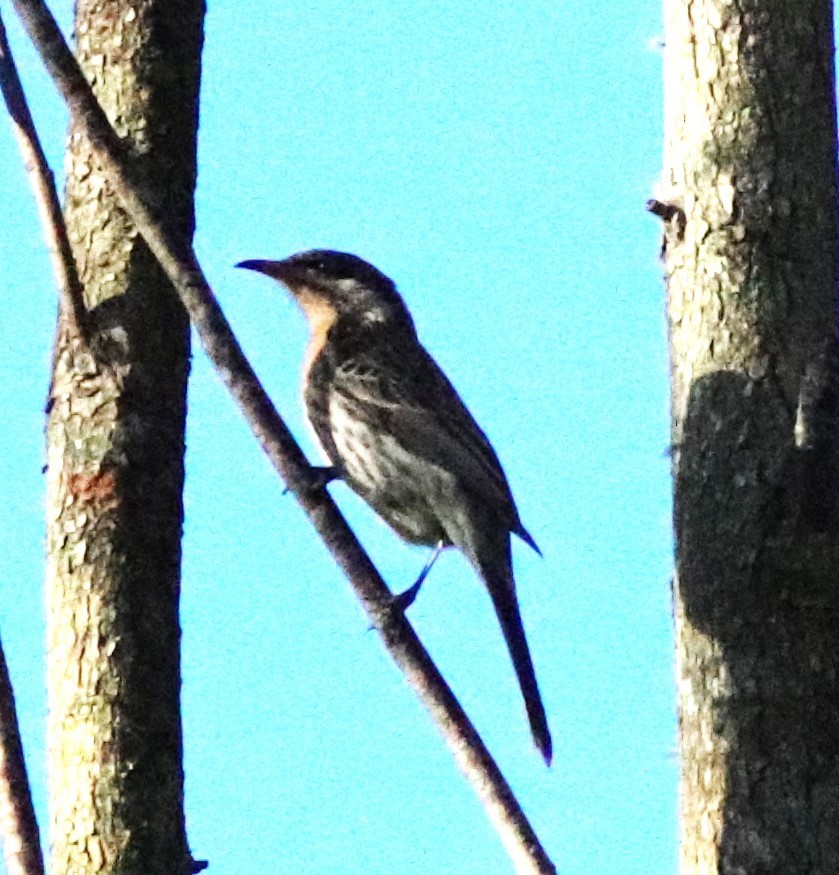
(402, 488)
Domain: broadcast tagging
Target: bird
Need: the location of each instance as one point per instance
(393, 427)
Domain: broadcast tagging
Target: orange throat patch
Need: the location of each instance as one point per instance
(321, 316)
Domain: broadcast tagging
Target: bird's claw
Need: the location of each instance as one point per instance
(318, 477)
(403, 600)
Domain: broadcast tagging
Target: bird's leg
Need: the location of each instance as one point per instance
(405, 599)
(319, 476)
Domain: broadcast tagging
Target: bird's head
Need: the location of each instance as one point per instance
(330, 286)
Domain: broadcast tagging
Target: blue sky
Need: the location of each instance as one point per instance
(495, 162)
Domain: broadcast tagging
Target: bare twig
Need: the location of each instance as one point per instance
(43, 188)
(181, 266)
(18, 827)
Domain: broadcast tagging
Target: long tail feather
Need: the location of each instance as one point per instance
(499, 580)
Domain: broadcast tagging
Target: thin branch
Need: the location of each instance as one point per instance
(18, 827)
(181, 266)
(42, 180)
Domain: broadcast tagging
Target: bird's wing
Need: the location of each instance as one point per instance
(404, 392)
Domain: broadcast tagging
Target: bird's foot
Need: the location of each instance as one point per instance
(403, 600)
(318, 477)
(323, 474)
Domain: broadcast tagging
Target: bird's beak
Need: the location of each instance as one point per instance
(278, 270)
(316, 308)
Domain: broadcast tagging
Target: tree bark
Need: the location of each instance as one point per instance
(115, 437)
(750, 259)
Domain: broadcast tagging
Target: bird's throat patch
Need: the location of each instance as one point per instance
(321, 316)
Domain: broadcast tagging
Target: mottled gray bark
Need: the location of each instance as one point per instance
(115, 438)
(751, 266)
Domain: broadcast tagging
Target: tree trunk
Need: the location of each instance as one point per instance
(751, 267)
(115, 438)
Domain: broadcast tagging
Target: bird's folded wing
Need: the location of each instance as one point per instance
(409, 396)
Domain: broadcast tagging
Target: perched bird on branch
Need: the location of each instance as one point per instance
(394, 428)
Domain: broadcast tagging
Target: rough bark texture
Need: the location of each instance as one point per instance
(115, 438)
(751, 267)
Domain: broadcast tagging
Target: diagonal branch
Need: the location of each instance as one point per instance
(42, 180)
(18, 827)
(181, 266)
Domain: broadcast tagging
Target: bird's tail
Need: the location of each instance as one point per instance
(498, 577)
